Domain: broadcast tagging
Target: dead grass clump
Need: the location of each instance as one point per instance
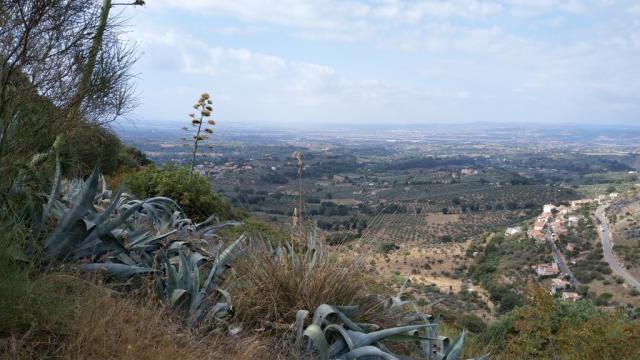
(117, 328)
(273, 288)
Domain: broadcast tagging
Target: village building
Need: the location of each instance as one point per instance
(546, 269)
(537, 235)
(573, 220)
(513, 230)
(558, 228)
(558, 284)
(576, 204)
(570, 296)
(548, 209)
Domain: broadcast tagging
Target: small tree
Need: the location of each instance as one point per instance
(199, 134)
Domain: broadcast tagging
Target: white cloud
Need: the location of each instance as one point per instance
(396, 59)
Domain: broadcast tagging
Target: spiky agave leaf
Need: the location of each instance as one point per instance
(300, 316)
(456, 350)
(67, 233)
(355, 339)
(316, 335)
(210, 230)
(220, 265)
(52, 198)
(367, 352)
(119, 270)
(325, 310)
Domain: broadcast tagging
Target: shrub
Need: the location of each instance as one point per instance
(196, 198)
(90, 145)
(270, 287)
(387, 246)
(546, 328)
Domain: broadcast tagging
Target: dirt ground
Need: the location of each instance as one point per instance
(429, 265)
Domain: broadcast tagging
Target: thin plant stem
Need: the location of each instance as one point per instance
(195, 146)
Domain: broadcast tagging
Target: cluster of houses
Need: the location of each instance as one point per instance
(217, 170)
(558, 218)
(558, 285)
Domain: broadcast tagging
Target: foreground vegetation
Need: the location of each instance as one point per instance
(104, 255)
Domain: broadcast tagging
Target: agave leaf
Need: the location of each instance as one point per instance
(344, 343)
(220, 265)
(300, 316)
(211, 229)
(209, 220)
(111, 225)
(366, 352)
(150, 240)
(184, 281)
(119, 270)
(455, 351)
(316, 335)
(373, 337)
(176, 245)
(54, 192)
(348, 310)
(195, 258)
(409, 338)
(114, 203)
(225, 294)
(176, 295)
(104, 185)
(62, 238)
(126, 259)
(92, 246)
(219, 310)
(172, 276)
(324, 310)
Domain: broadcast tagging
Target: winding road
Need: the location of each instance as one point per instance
(607, 248)
(559, 259)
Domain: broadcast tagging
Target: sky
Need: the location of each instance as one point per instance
(330, 62)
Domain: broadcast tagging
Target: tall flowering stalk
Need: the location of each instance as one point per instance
(297, 215)
(200, 133)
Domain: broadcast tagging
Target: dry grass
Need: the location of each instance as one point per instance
(125, 329)
(268, 288)
(106, 326)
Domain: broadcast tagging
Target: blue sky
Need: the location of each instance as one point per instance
(329, 62)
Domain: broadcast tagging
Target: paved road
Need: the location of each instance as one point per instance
(559, 258)
(615, 265)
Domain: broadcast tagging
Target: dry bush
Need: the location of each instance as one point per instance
(273, 288)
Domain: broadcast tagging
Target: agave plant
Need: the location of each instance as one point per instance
(95, 225)
(125, 236)
(346, 339)
(183, 289)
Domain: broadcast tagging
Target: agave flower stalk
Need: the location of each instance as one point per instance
(297, 156)
(204, 108)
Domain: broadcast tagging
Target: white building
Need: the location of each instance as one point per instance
(570, 296)
(547, 269)
(513, 230)
(548, 208)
